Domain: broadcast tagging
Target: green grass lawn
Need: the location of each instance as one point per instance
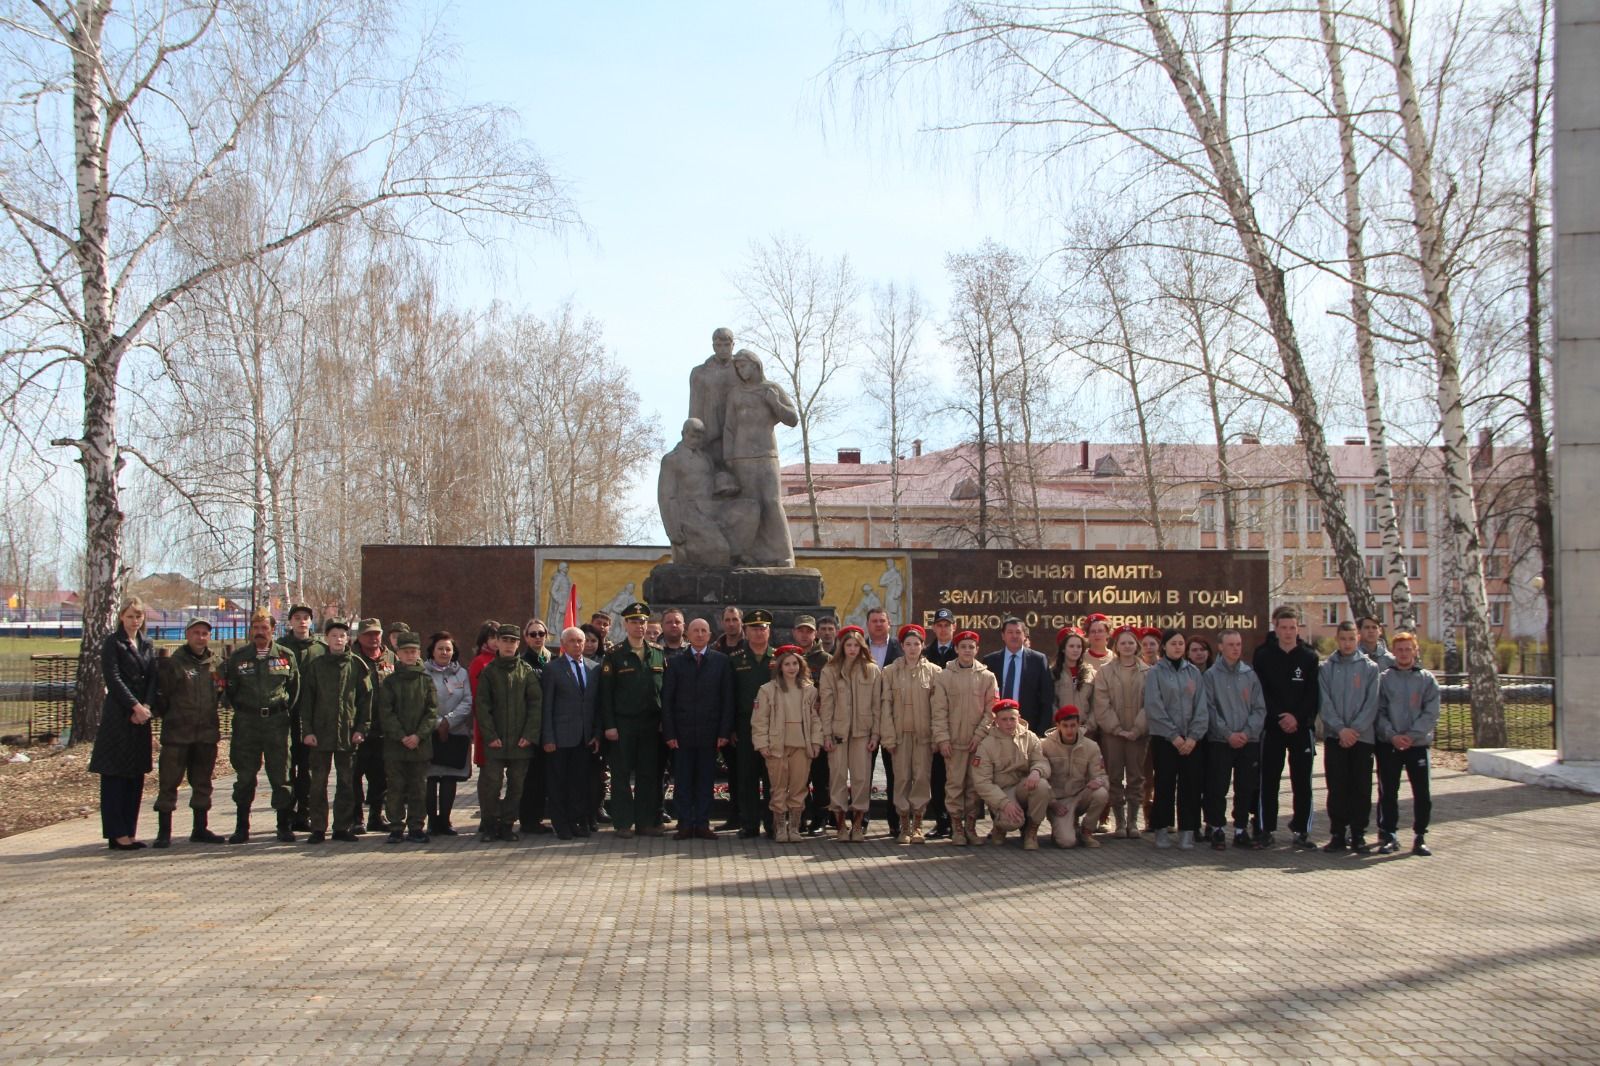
(38, 645)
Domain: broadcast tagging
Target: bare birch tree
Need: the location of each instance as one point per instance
(1080, 76)
(893, 377)
(1361, 321)
(800, 310)
(136, 117)
(1488, 713)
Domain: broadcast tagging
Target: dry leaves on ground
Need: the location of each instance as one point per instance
(52, 786)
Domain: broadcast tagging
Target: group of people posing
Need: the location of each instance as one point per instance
(1129, 730)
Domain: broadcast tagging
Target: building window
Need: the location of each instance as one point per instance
(1291, 512)
(1378, 566)
(1253, 504)
(1330, 614)
(1208, 514)
(1494, 566)
(1313, 516)
(1373, 525)
(1497, 614)
(1294, 567)
(1419, 512)
(1330, 568)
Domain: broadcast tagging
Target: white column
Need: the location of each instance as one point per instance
(1577, 378)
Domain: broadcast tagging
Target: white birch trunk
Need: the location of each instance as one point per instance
(1461, 515)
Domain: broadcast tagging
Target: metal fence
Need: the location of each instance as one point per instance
(1529, 708)
(36, 697)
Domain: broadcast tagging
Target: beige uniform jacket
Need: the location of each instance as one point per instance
(906, 707)
(1119, 697)
(785, 718)
(1072, 766)
(849, 701)
(1001, 762)
(1079, 691)
(963, 703)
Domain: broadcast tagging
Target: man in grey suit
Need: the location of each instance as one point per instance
(1024, 676)
(570, 732)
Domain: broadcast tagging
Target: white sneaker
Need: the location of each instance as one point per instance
(1163, 839)
(1186, 840)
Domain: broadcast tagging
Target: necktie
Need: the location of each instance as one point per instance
(1011, 675)
(577, 672)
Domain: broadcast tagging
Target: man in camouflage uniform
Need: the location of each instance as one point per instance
(186, 702)
(263, 682)
(630, 716)
(508, 706)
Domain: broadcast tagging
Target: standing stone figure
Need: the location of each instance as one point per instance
(701, 526)
(709, 385)
(750, 451)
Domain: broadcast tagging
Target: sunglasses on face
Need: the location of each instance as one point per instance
(535, 633)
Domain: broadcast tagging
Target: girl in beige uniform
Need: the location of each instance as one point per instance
(785, 729)
(1073, 671)
(849, 691)
(963, 702)
(905, 718)
(1124, 737)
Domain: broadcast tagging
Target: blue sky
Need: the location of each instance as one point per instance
(686, 132)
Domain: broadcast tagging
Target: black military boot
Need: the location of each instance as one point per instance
(285, 833)
(202, 834)
(163, 830)
(241, 829)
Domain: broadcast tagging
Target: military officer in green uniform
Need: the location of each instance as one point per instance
(508, 707)
(186, 702)
(752, 668)
(630, 715)
(408, 706)
(334, 707)
(306, 645)
(263, 681)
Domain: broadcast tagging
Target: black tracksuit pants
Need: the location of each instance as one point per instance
(1177, 782)
(1414, 761)
(1240, 767)
(1300, 750)
(1349, 775)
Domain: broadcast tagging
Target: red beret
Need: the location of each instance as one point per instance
(1069, 711)
(847, 630)
(912, 627)
(1148, 631)
(967, 634)
(1067, 631)
(1117, 632)
(1094, 618)
(787, 649)
(1006, 705)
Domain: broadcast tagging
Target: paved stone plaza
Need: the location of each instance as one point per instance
(653, 950)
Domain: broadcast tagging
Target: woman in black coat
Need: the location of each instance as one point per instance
(122, 747)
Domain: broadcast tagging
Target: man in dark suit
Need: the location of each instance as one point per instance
(570, 734)
(696, 720)
(941, 650)
(1024, 676)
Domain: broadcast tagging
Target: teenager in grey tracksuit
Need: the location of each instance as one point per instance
(1347, 714)
(1178, 717)
(1233, 740)
(1408, 713)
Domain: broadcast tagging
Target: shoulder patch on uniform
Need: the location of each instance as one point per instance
(976, 760)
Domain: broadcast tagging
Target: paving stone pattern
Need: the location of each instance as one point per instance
(653, 950)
